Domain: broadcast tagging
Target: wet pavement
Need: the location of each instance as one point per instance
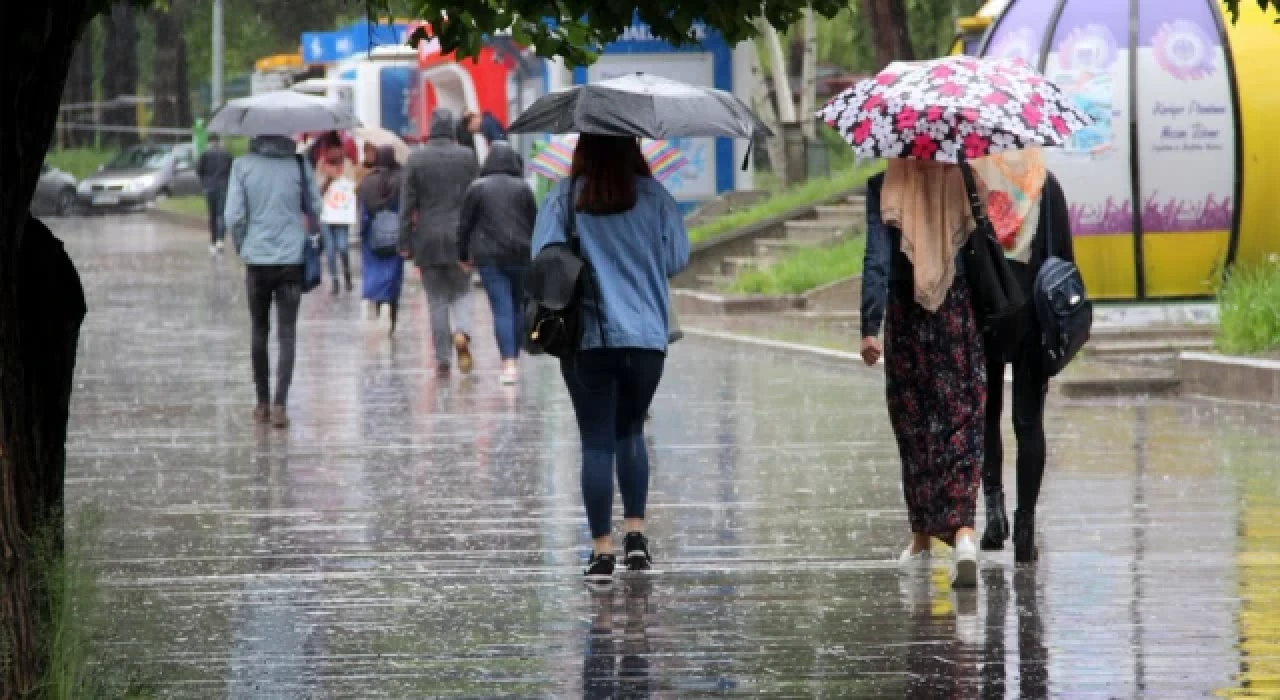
(412, 537)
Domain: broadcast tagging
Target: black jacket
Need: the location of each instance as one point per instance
(885, 264)
(214, 168)
(498, 212)
(435, 179)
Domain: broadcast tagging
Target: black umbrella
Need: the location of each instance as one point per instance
(641, 105)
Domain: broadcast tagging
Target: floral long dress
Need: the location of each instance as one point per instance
(936, 375)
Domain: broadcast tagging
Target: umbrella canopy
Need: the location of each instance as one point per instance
(952, 109)
(281, 112)
(383, 137)
(556, 158)
(641, 105)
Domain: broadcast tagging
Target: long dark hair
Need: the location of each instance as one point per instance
(607, 166)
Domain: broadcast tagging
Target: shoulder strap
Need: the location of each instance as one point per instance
(575, 244)
(306, 191)
(976, 205)
(1046, 202)
(571, 224)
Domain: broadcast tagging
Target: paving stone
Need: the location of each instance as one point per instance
(410, 537)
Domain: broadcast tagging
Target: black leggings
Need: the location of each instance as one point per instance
(1029, 387)
(283, 285)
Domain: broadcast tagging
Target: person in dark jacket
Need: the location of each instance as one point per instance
(436, 177)
(214, 170)
(918, 219)
(383, 275)
(1025, 201)
(494, 234)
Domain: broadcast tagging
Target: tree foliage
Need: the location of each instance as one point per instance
(1233, 8)
(575, 29)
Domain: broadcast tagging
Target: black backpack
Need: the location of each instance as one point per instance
(554, 289)
(995, 291)
(1062, 305)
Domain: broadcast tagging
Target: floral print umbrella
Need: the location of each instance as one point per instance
(953, 109)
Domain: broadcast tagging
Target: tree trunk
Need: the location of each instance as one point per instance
(30, 468)
(79, 91)
(768, 115)
(781, 81)
(809, 75)
(120, 73)
(173, 99)
(887, 20)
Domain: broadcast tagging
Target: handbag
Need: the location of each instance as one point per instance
(313, 246)
(1063, 308)
(555, 287)
(997, 295)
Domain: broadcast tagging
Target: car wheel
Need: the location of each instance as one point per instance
(66, 204)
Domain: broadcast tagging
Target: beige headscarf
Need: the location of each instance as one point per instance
(926, 201)
(1016, 180)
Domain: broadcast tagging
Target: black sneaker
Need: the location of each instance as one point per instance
(600, 568)
(635, 550)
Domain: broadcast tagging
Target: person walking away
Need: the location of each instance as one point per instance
(495, 231)
(1025, 201)
(383, 274)
(435, 180)
(272, 193)
(633, 240)
(918, 217)
(339, 215)
(214, 170)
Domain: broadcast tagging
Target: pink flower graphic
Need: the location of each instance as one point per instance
(923, 147)
(950, 89)
(970, 114)
(941, 72)
(1032, 115)
(862, 131)
(872, 103)
(933, 114)
(887, 78)
(1036, 99)
(1060, 125)
(975, 146)
(995, 98)
(907, 118)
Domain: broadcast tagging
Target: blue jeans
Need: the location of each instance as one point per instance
(611, 390)
(336, 242)
(504, 285)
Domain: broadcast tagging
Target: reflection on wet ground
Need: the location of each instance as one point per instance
(412, 537)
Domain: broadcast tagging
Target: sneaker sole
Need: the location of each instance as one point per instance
(966, 574)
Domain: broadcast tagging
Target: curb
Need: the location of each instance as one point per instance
(1255, 380)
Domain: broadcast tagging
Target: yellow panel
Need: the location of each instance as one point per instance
(1106, 262)
(1255, 48)
(1183, 264)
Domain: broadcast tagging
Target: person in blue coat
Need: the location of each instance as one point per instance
(383, 275)
(634, 240)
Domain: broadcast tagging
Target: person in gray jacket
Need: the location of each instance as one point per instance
(436, 177)
(265, 214)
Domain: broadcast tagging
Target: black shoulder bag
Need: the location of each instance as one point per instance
(555, 286)
(1063, 309)
(997, 295)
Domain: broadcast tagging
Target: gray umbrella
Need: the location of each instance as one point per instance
(281, 112)
(641, 105)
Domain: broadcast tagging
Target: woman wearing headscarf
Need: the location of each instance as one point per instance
(913, 282)
(383, 275)
(1024, 203)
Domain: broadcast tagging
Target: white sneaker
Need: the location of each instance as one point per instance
(964, 567)
(920, 562)
(213, 249)
(510, 375)
(219, 245)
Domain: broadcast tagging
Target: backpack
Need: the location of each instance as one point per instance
(555, 286)
(384, 233)
(1062, 305)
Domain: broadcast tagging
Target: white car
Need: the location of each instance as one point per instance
(141, 174)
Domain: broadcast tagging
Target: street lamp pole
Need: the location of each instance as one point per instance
(216, 83)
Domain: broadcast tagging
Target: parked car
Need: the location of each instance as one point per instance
(141, 174)
(55, 193)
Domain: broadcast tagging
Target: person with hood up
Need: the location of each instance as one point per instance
(435, 180)
(383, 276)
(495, 233)
(272, 193)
